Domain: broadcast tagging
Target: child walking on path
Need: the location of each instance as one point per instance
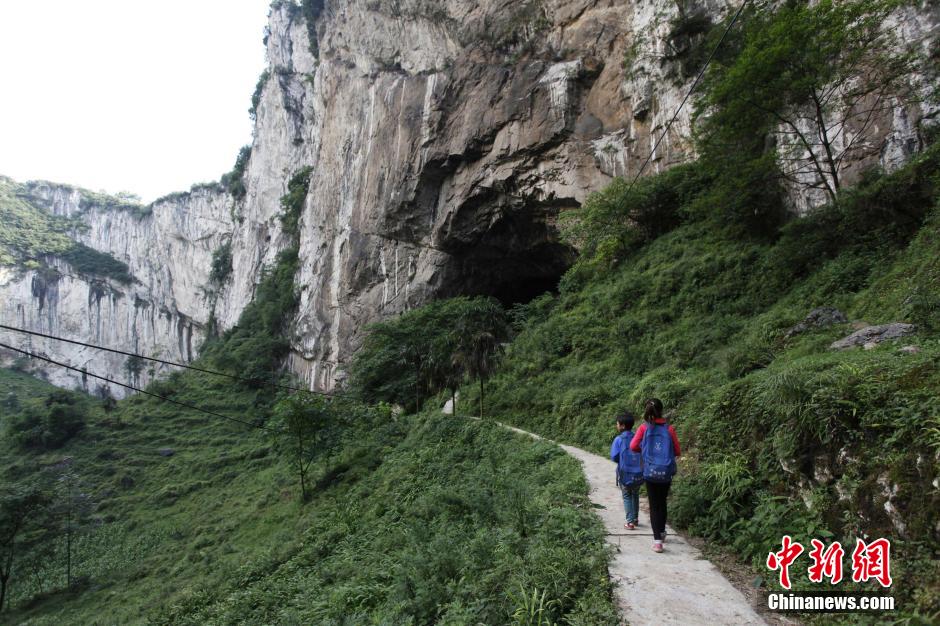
(657, 442)
(629, 468)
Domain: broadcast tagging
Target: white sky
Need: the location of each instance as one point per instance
(127, 95)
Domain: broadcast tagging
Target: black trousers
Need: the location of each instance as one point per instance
(657, 493)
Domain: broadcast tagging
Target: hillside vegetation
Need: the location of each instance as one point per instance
(178, 517)
(785, 434)
(414, 520)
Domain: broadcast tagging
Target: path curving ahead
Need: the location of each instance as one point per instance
(679, 586)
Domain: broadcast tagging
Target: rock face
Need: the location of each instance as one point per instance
(870, 336)
(444, 136)
(168, 250)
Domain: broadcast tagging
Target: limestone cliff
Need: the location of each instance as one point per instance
(162, 311)
(444, 137)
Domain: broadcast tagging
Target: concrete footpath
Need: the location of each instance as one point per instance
(679, 586)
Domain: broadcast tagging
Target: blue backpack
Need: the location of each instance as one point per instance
(629, 464)
(659, 457)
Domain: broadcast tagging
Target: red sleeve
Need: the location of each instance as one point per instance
(638, 438)
(675, 441)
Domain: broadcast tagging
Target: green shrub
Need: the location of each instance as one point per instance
(256, 95)
(429, 349)
(293, 201)
(614, 222)
(256, 347)
(234, 181)
(311, 10)
(87, 260)
(221, 267)
(49, 423)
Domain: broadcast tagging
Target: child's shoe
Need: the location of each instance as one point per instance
(657, 546)
(630, 526)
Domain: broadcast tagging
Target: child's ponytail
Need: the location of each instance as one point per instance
(653, 410)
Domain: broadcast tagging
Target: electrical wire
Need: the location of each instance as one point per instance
(84, 372)
(162, 361)
(688, 94)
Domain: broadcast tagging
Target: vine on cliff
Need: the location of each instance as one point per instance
(257, 346)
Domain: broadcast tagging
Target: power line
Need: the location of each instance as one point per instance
(156, 360)
(84, 372)
(689, 93)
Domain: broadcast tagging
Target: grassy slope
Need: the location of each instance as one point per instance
(413, 521)
(698, 318)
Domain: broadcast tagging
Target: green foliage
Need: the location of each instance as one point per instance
(221, 264)
(257, 346)
(429, 349)
(122, 201)
(618, 219)
(21, 509)
(306, 424)
(234, 181)
(689, 41)
(410, 520)
(133, 367)
(50, 422)
(87, 260)
(415, 527)
(293, 201)
(822, 440)
(27, 232)
(256, 96)
(788, 83)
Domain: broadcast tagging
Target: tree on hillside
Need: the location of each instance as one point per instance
(479, 333)
(22, 513)
(802, 94)
(430, 349)
(405, 359)
(69, 509)
(307, 423)
(49, 423)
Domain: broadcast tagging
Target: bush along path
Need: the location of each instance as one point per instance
(679, 586)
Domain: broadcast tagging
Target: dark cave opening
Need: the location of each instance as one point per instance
(525, 290)
(518, 259)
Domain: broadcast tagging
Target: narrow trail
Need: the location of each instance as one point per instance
(679, 586)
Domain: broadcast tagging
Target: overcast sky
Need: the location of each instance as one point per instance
(127, 95)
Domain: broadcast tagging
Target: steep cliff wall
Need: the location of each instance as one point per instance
(163, 310)
(444, 137)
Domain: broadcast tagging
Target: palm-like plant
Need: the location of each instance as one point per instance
(478, 336)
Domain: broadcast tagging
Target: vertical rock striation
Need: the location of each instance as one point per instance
(444, 137)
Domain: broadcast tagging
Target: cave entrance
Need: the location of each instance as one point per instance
(518, 259)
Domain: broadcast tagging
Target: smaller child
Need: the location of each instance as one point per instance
(629, 468)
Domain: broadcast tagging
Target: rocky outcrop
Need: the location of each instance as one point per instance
(446, 137)
(820, 317)
(870, 336)
(162, 312)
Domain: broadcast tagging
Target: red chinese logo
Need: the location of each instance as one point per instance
(826, 564)
(869, 561)
(872, 561)
(783, 559)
